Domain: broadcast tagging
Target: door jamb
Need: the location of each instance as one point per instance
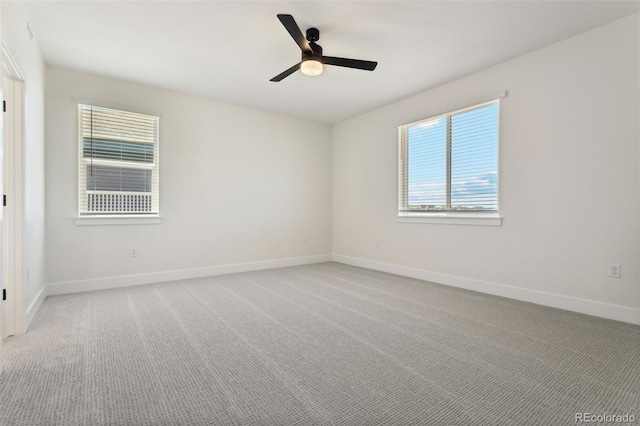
(14, 188)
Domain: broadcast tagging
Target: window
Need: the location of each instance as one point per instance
(448, 164)
(117, 162)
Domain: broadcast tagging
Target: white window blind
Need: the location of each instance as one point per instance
(449, 163)
(117, 162)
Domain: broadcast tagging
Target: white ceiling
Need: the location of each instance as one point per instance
(229, 50)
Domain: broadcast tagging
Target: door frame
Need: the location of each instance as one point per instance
(13, 268)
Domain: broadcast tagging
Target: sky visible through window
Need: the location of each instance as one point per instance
(474, 162)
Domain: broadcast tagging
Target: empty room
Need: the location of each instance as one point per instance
(320, 213)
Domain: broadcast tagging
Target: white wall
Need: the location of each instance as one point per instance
(569, 184)
(28, 58)
(569, 181)
(237, 185)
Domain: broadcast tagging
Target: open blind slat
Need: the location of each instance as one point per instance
(474, 159)
(426, 169)
(117, 162)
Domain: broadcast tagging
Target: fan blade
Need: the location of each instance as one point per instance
(350, 63)
(293, 28)
(287, 73)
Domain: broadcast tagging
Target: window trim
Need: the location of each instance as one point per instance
(92, 218)
(118, 220)
(471, 217)
(453, 219)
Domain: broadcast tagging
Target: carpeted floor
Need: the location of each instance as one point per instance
(315, 344)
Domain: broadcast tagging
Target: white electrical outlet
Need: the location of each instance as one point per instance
(614, 270)
(133, 253)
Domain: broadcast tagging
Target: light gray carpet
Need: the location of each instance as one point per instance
(316, 344)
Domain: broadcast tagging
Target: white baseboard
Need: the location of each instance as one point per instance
(156, 277)
(575, 304)
(35, 305)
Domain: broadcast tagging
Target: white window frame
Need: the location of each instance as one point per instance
(447, 217)
(117, 218)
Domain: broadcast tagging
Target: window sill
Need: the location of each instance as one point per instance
(117, 220)
(452, 219)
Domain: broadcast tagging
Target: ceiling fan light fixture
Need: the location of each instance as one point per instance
(311, 67)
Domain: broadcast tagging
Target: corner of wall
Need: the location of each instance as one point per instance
(34, 306)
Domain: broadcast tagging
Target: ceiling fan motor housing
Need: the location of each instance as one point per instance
(313, 34)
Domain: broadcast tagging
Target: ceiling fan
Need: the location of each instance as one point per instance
(312, 58)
